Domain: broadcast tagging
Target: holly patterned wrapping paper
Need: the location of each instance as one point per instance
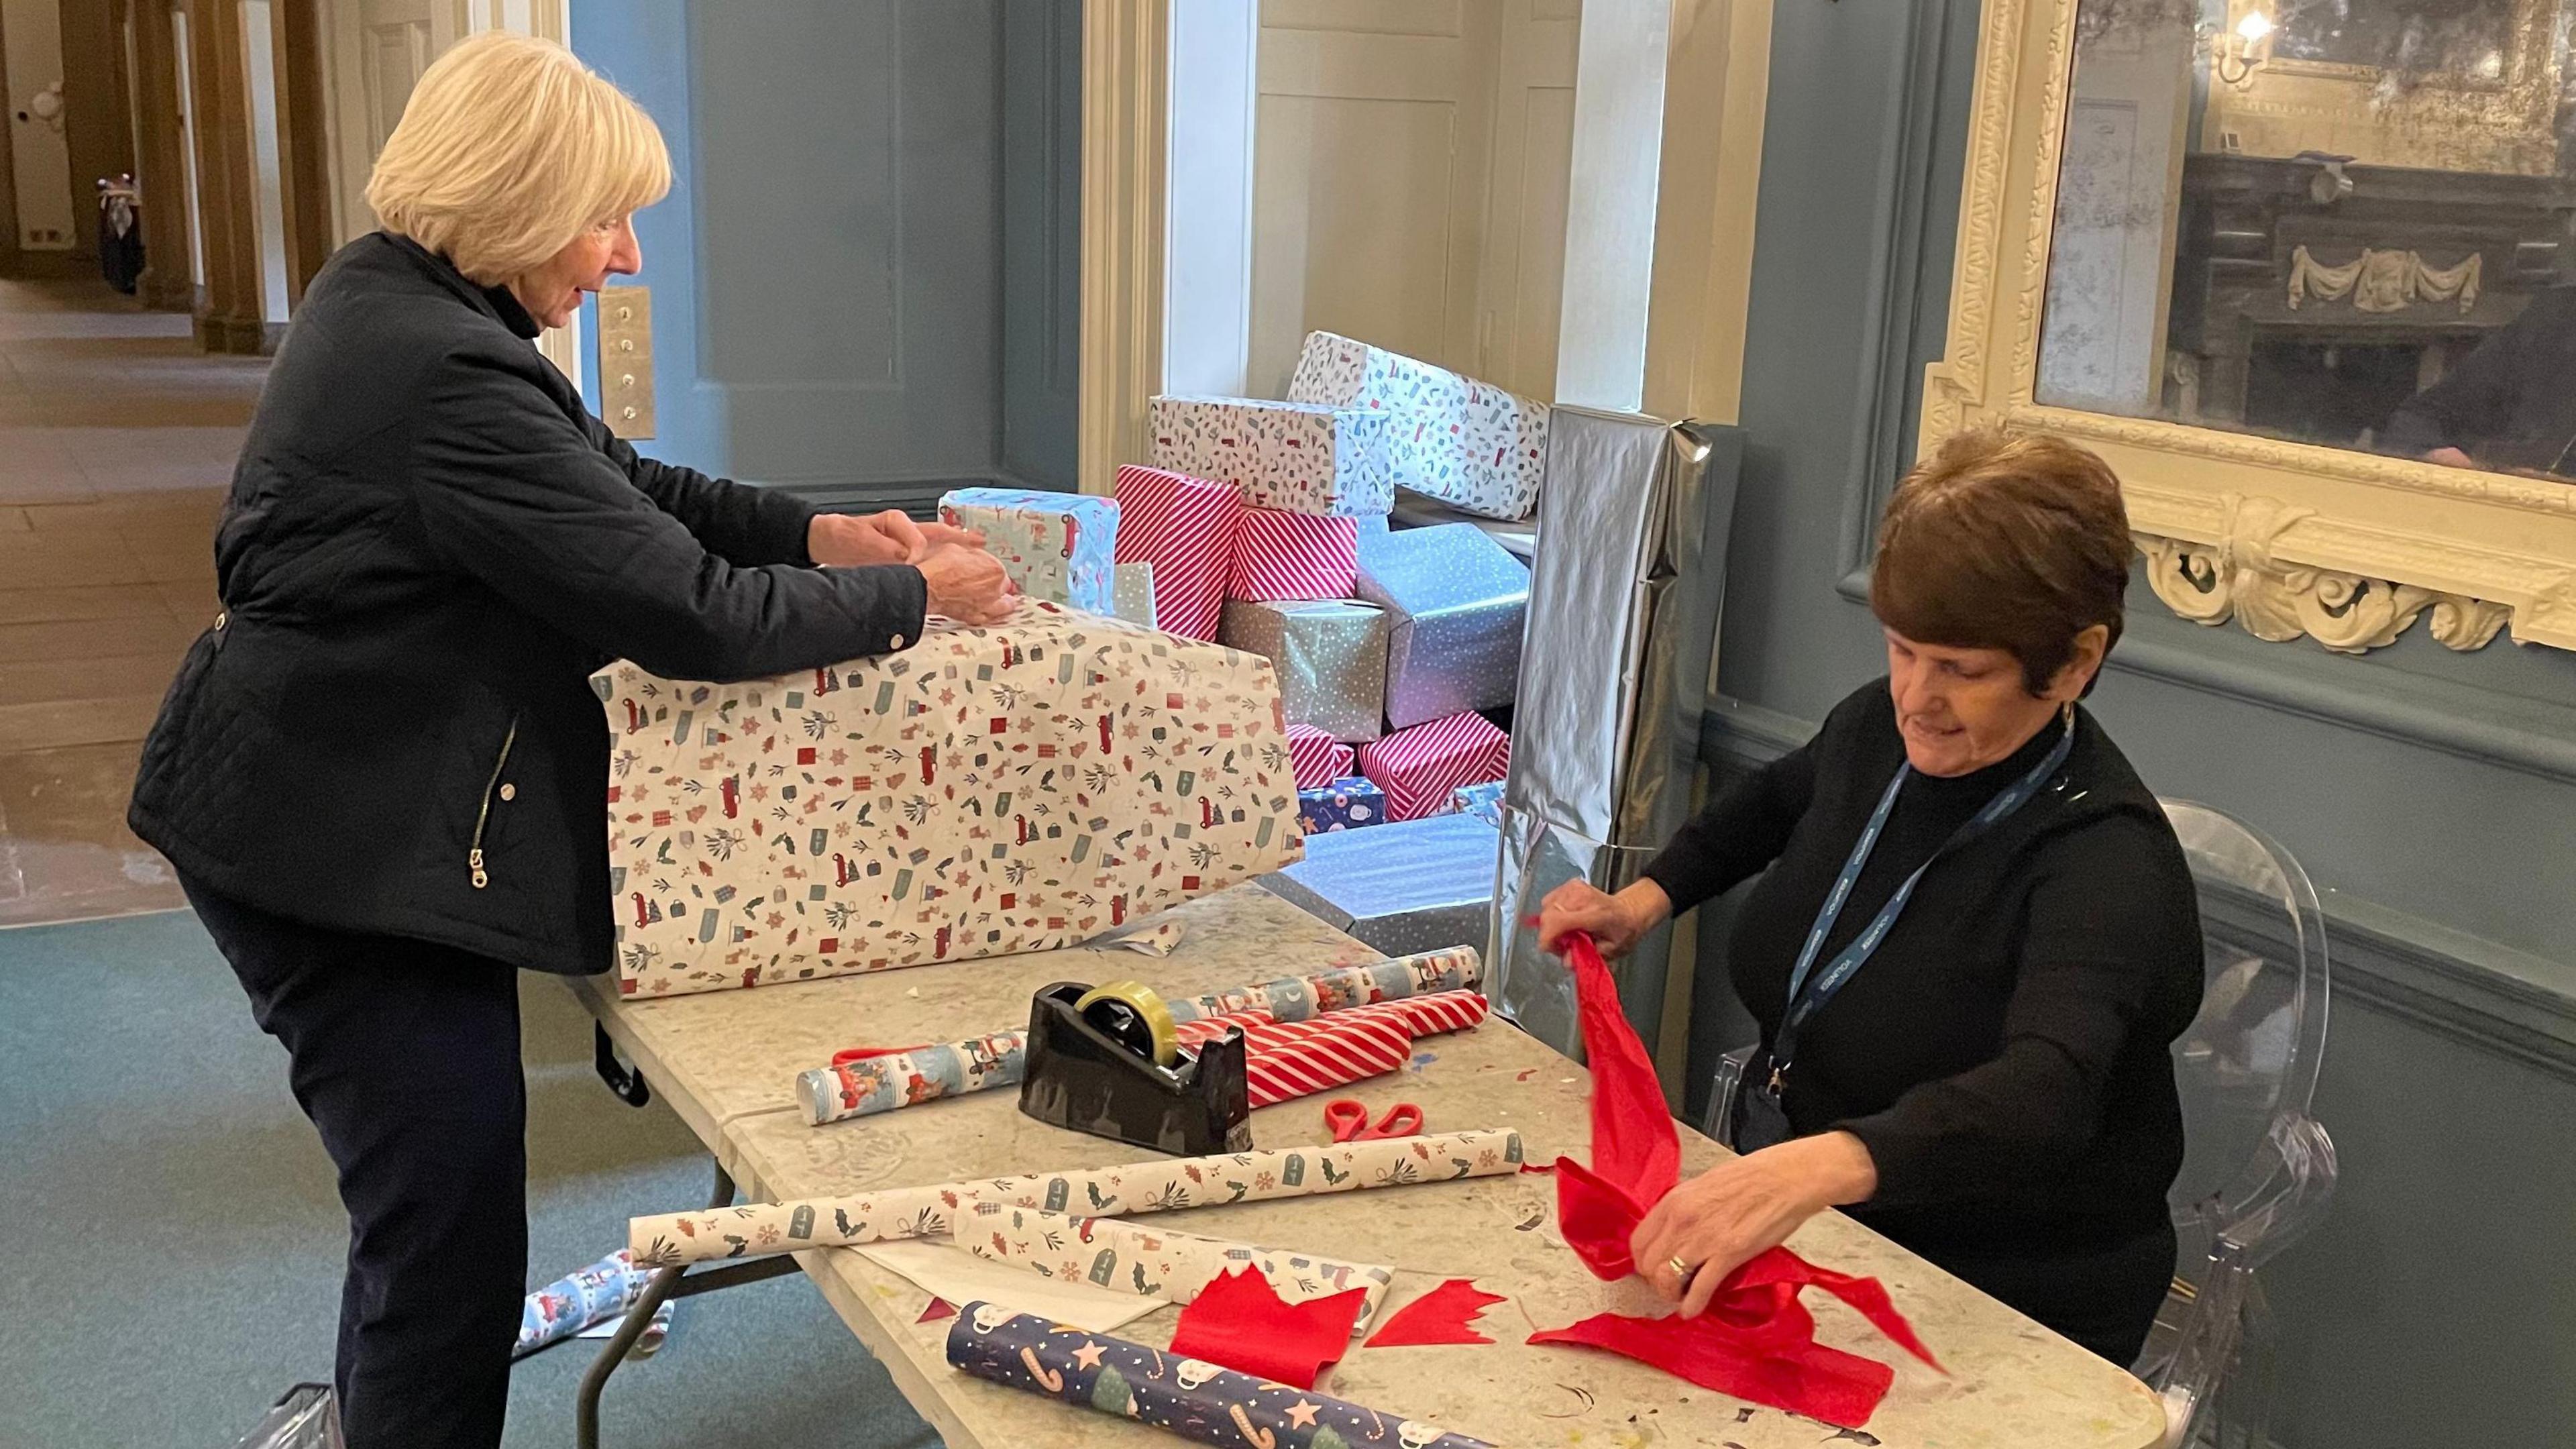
(856, 1086)
(992, 790)
(1152, 1262)
(1462, 441)
(1060, 547)
(1192, 1398)
(752, 1230)
(1295, 457)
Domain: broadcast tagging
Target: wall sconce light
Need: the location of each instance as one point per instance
(2243, 50)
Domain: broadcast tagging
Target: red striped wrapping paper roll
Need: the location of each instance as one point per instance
(1187, 529)
(1288, 1060)
(1282, 557)
(1317, 757)
(1420, 768)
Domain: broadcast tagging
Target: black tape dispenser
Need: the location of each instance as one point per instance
(1107, 1060)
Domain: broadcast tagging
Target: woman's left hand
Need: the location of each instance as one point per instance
(1738, 1209)
(853, 540)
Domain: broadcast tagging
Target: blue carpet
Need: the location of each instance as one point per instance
(176, 1252)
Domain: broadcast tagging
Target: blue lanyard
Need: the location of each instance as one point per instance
(1806, 1001)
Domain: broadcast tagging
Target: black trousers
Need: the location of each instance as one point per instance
(406, 1057)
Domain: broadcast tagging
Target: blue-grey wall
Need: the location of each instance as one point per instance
(2432, 795)
(865, 276)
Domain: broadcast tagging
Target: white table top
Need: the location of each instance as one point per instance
(727, 1061)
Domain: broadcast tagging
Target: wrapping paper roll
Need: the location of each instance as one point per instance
(753, 1230)
(605, 1289)
(1152, 1262)
(1288, 1060)
(864, 1086)
(1189, 1397)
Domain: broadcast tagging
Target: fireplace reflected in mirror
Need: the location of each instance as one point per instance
(2350, 224)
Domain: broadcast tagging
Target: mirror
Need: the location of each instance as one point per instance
(2342, 222)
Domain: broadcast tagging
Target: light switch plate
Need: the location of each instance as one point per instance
(626, 360)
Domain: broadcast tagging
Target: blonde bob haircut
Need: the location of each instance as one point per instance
(509, 149)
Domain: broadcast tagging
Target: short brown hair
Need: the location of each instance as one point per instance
(1999, 542)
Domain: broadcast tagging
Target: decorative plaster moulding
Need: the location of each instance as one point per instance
(2347, 548)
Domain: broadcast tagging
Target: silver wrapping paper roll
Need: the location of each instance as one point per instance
(1615, 678)
(1331, 659)
(1456, 602)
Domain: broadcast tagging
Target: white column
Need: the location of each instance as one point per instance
(1207, 246)
(1610, 210)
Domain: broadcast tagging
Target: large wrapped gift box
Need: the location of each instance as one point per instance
(1059, 547)
(1415, 885)
(1465, 442)
(1456, 603)
(1294, 556)
(991, 790)
(1331, 658)
(1422, 767)
(1298, 457)
(1185, 527)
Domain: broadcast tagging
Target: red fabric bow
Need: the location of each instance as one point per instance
(1756, 1341)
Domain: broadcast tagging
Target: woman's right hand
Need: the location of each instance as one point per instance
(1615, 923)
(967, 584)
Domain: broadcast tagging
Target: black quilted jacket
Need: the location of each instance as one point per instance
(429, 547)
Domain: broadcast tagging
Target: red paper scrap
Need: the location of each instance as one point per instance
(939, 1308)
(1444, 1315)
(1239, 1321)
(1824, 1383)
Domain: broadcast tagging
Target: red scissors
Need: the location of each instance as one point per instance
(1347, 1118)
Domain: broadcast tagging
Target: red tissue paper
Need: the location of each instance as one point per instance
(1443, 1315)
(1756, 1341)
(1239, 1321)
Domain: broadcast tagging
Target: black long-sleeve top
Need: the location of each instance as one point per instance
(2004, 1053)
(2511, 403)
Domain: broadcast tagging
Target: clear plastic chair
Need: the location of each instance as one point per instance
(2257, 1169)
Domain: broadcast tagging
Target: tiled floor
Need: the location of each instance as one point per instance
(116, 442)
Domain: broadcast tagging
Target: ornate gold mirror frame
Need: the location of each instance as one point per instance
(2286, 538)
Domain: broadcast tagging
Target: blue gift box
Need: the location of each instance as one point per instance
(1346, 804)
(1456, 602)
(1484, 801)
(1407, 886)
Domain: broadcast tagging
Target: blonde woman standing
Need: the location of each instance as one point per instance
(381, 773)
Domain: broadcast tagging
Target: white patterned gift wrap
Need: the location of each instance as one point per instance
(1059, 547)
(991, 790)
(1153, 1262)
(752, 1230)
(1294, 457)
(1462, 441)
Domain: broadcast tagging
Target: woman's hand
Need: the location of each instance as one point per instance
(967, 584)
(1735, 1210)
(1615, 923)
(853, 540)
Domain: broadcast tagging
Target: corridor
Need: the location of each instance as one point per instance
(117, 439)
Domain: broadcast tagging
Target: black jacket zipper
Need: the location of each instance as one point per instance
(483, 810)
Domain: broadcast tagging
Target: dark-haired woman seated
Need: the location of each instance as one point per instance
(1975, 937)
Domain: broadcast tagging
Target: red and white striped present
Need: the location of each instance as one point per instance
(1287, 1060)
(1280, 557)
(1186, 528)
(1420, 767)
(1317, 757)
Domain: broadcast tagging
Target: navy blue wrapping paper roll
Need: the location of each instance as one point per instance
(1189, 1397)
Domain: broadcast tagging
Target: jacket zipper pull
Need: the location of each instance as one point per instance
(474, 858)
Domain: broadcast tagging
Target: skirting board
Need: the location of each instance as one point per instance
(2494, 997)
